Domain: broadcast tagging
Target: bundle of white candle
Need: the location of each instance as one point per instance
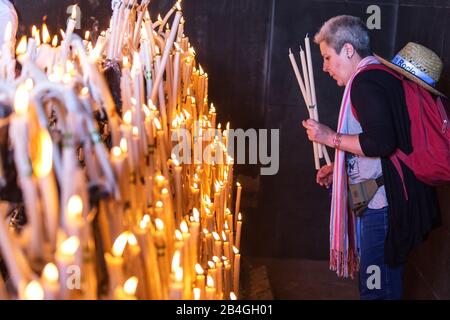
(152, 216)
(308, 90)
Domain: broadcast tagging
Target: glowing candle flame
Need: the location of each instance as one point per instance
(216, 236)
(210, 282)
(132, 241)
(130, 286)
(45, 34)
(75, 206)
(233, 296)
(22, 46)
(159, 224)
(123, 145)
(127, 117)
(34, 291)
(42, 162)
(184, 227)
(199, 269)
(157, 123)
(197, 293)
(176, 261)
(119, 245)
(51, 273)
(179, 274)
(235, 250)
(70, 246)
(196, 215)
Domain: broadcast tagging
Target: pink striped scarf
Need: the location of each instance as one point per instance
(343, 252)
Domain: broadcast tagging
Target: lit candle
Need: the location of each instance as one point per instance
(236, 269)
(65, 259)
(238, 231)
(217, 244)
(32, 291)
(128, 290)
(210, 289)
(114, 261)
(200, 280)
(238, 199)
(176, 278)
(50, 281)
(219, 277)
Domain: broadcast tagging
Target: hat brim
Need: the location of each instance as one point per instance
(410, 76)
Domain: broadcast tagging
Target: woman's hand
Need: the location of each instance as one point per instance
(318, 132)
(325, 175)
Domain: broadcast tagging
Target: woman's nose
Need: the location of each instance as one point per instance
(324, 68)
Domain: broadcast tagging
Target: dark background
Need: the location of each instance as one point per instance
(243, 45)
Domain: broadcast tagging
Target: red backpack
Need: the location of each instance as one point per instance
(430, 134)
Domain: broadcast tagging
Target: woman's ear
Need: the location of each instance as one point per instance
(348, 50)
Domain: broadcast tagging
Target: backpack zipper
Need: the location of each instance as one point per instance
(444, 117)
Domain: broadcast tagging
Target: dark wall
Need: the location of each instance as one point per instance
(243, 45)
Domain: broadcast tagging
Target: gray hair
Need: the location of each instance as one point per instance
(344, 29)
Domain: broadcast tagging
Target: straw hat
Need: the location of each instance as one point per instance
(418, 64)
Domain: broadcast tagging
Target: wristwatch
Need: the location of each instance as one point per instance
(337, 139)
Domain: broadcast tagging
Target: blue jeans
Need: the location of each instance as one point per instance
(376, 279)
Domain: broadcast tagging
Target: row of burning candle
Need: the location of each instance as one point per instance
(152, 192)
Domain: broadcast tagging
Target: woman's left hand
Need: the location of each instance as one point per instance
(318, 132)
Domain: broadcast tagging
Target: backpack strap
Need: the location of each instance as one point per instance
(398, 154)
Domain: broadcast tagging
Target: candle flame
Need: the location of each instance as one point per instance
(160, 178)
(130, 286)
(43, 158)
(179, 274)
(159, 204)
(216, 258)
(127, 117)
(117, 152)
(135, 131)
(197, 293)
(160, 18)
(45, 34)
(157, 123)
(125, 62)
(74, 206)
(70, 246)
(50, 273)
(176, 261)
(216, 236)
(123, 145)
(22, 46)
(184, 227)
(119, 245)
(207, 199)
(225, 225)
(196, 215)
(34, 291)
(33, 31)
(63, 34)
(205, 231)
(178, 235)
(233, 296)
(239, 217)
(133, 101)
(235, 250)
(164, 191)
(132, 241)
(207, 211)
(70, 67)
(21, 100)
(159, 224)
(151, 105)
(87, 35)
(199, 269)
(211, 265)
(209, 281)
(224, 236)
(37, 38)
(147, 111)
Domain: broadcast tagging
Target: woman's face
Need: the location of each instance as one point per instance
(338, 66)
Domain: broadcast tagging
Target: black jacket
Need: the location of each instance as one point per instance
(379, 101)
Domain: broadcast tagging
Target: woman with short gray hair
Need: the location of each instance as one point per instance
(373, 225)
